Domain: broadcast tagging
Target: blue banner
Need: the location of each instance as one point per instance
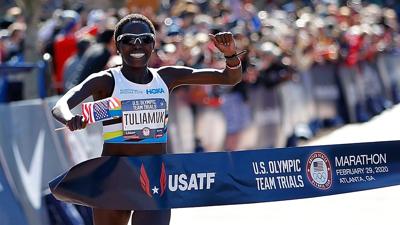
(208, 179)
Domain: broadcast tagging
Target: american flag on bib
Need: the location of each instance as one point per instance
(101, 110)
(114, 103)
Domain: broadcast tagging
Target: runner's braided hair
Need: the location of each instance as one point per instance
(138, 18)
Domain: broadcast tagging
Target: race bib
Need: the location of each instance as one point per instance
(143, 118)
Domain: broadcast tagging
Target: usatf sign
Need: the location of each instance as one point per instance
(194, 181)
(208, 179)
(176, 182)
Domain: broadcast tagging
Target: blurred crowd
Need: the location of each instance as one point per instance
(12, 35)
(284, 41)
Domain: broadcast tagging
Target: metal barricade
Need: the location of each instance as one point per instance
(7, 70)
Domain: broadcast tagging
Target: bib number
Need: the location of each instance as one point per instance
(143, 118)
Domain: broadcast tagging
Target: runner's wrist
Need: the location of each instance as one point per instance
(234, 67)
(235, 55)
(233, 63)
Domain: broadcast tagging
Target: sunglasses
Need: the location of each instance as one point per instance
(145, 38)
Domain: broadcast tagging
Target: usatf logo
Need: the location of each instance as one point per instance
(155, 91)
(176, 182)
(319, 171)
(145, 182)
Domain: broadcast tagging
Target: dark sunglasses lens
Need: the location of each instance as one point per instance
(127, 40)
(147, 39)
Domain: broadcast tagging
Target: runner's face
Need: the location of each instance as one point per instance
(136, 44)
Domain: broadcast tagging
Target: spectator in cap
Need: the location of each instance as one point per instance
(14, 45)
(64, 45)
(273, 70)
(97, 55)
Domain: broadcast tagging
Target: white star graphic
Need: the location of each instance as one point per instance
(155, 190)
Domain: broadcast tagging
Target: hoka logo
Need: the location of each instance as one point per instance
(155, 91)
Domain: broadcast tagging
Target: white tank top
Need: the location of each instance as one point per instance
(144, 109)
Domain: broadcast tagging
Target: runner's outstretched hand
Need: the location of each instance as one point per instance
(225, 42)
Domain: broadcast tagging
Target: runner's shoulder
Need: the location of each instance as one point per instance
(101, 81)
(104, 74)
(102, 77)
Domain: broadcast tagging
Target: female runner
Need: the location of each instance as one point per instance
(135, 39)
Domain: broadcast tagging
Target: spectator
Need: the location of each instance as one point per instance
(272, 70)
(71, 66)
(235, 105)
(97, 55)
(3, 36)
(64, 45)
(14, 45)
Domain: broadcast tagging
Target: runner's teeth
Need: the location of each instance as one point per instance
(137, 55)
